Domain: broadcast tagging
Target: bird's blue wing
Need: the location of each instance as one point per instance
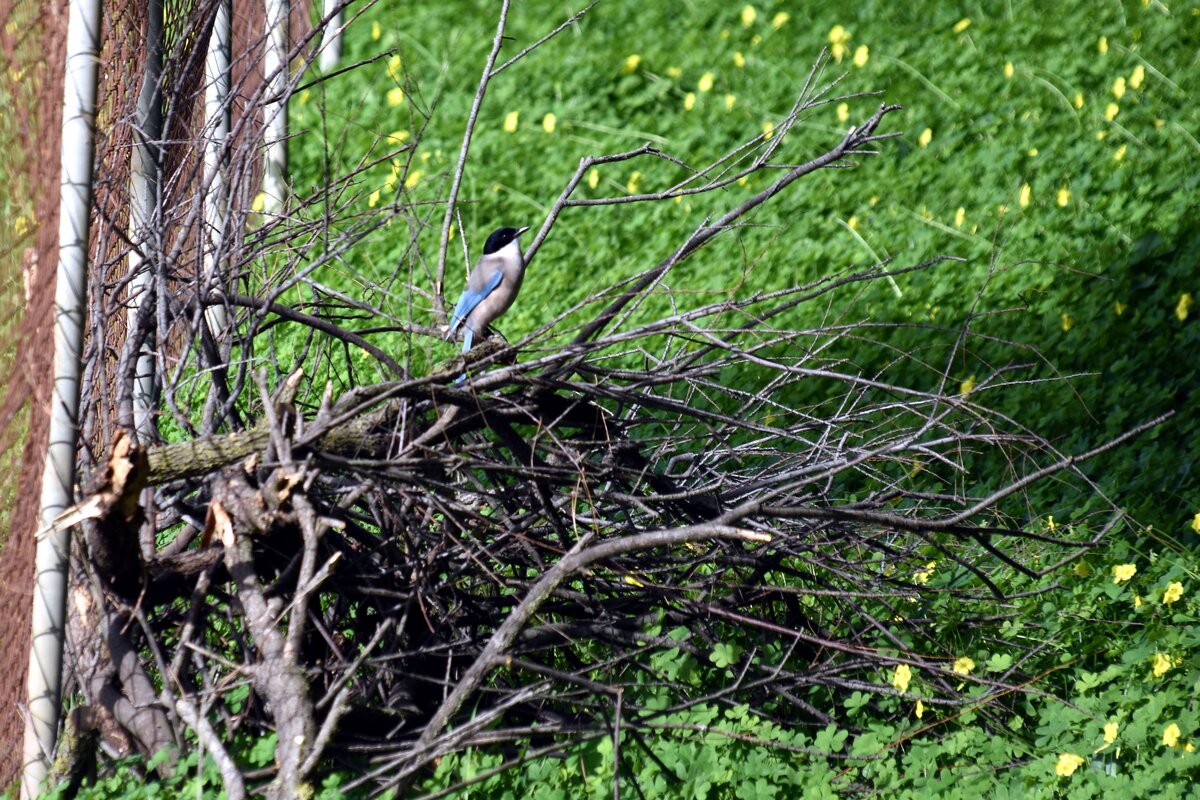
(471, 298)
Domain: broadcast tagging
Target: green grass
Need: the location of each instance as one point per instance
(1108, 216)
(1056, 151)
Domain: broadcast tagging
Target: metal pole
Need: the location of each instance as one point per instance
(144, 190)
(275, 111)
(216, 132)
(58, 478)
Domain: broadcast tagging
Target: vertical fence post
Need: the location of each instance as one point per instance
(144, 213)
(216, 133)
(331, 37)
(70, 302)
(275, 110)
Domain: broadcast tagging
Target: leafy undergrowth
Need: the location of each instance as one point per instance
(1054, 150)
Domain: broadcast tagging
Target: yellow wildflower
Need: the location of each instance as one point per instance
(739, 60)
(1110, 732)
(967, 386)
(1111, 111)
(901, 678)
(920, 710)
(259, 202)
(1123, 572)
(398, 136)
(1138, 76)
(852, 223)
(729, 101)
(861, 54)
(1173, 592)
(1162, 665)
(1100, 135)
(1137, 601)
(838, 39)
(843, 112)
(632, 62)
(20, 226)
(1120, 153)
(755, 40)
(1171, 735)
(922, 576)
(674, 72)
(1102, 45)
(1079, 99)
(593, 178)
(705, 83)
(393, 68)
(1050, 526)
(1118, 88)
(635, 180)
(1189, 748)
(689, 101)
(780, 19)
(1024, 197)
(376, 32)
(768, 129)
(1009, 69)
(964, 665)
(1120, 307)
(749, 14)
(305, 96)
(1066, 322)
(1196, 522)
(959, 217)
(1067, 764)
(511, 120)
(395, 96)
(1183, 306)
(373, 199)
(962, 24)
(1064, 197)
(413, 179)
(925, 138)
(549, 123)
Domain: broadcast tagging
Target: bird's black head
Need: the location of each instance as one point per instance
(501, 237)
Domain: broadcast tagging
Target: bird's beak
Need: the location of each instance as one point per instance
(522, 230)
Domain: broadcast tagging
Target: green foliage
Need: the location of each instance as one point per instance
(1086, 225)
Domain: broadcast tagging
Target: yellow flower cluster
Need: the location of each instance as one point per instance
(964, 665)
(1162, 665)
(1067, 764)
(902, 677)
(1123, 572)
(839, 38)
(1173, 593)
(1181, 313)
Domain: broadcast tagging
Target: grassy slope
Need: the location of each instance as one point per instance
(1107, 222)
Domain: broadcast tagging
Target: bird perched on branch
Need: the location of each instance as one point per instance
(492, 286)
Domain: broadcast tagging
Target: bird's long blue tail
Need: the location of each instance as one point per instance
(468, 337)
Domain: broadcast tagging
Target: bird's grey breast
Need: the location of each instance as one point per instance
(512, 265)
